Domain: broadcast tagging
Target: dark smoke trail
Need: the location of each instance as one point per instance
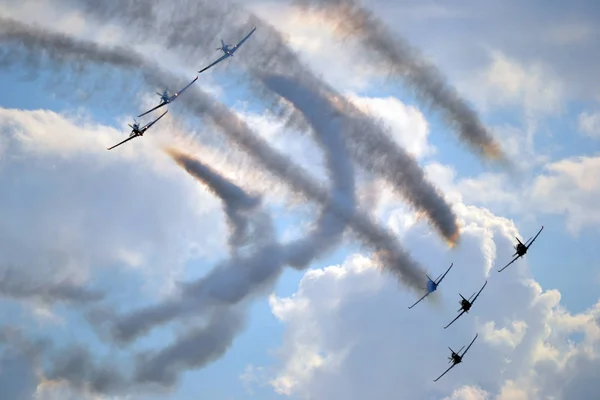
(236, 203)
(268, 51)
(16, 285)
(193, 350)
(232, 281)
(240, 134)
(225, 286)
(425, 79)
(371, 147)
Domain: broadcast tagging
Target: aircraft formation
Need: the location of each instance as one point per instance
(466, 304)
(165, 98)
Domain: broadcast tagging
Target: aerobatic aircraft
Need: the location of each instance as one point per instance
(432, 285)
(456, 357)
(228, 50)
(166, 99)
(521, 249)
(137, 131)
(465, 305)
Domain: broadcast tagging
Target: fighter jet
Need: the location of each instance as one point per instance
(465, 305)
(521, 249)
(166, 99)
(228, 50)
(432, 285)
(137, 131)
(456, 357)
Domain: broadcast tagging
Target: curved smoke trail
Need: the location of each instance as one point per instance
(371, 146)
(237, 204)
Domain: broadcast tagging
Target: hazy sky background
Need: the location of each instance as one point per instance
(95, 244)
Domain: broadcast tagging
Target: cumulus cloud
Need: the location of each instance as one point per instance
(570, 187)
(77, 207)
(344, 319)
(335, 333)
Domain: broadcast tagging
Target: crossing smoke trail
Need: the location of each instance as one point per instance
(234, 280)
(223, 285)
(38, 41)
(203, 20)
(371, 148)
(425, 79)
(376, 238)
(221, 288)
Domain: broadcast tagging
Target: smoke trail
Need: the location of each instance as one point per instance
(429, 85)
(194, 349)
(373, 149)
(234, 280)
(240, 134)
(236, 203)
(219, 289)
(228, 287)
(14, 284)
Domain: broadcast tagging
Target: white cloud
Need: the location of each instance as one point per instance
(589, 124)
(72, 207)
(349, 336)
(507, 81)
(468, 393)
(570, 187)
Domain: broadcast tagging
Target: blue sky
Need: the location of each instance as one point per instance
(132, 224)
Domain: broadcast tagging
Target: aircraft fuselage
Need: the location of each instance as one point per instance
(431, 286)
(521, 249)
(465, 305)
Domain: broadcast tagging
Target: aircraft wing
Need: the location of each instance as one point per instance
(224, 56)
(153, 122)
(443, 276)
(149, 111)
(244, 39)
(473, 341)
(187, 86)
(418, 301)
(476, 296)
(535, 237)
(445, 372)
(457, 317)
(506, 266)
(118, 144)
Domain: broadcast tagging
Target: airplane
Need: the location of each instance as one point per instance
(456, 357)
(521, 249)
(166, 99)
(228, 50)
(137, 131)
(465, 305)
(432, 285)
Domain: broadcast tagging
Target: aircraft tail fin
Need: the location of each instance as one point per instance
(518, 240)
(428, 277)
(160, 94)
